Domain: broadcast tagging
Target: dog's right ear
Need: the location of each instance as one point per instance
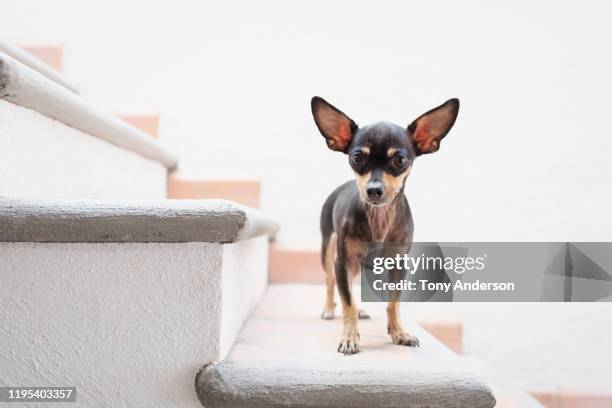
(335, 126)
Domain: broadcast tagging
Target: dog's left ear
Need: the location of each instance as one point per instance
(431, 127)
(335, 126)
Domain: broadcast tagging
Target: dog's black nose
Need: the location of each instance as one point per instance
(374, 192)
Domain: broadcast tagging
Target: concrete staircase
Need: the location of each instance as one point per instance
(105, 284)
(145, 290)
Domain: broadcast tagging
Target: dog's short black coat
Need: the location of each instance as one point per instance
(373, 208)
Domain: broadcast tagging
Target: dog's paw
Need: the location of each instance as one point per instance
(349, 346)
(363, 315)
(404, 339)
(327, 314)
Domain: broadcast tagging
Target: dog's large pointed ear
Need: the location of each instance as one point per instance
(335, 126)
(431, 127)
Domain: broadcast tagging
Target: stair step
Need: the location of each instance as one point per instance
(67, 220)
(289, 265)
(50, 54)
(506, 394)
(147, 290)
(147, 122)
(246, 192)
(287, 354)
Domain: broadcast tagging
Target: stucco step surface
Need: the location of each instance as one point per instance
(64, 220)
(507, 394)
(287, 356)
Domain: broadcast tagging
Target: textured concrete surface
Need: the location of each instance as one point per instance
(128, 324)
(130, 221)
(286, 356)
(28, 88)
(338, 384)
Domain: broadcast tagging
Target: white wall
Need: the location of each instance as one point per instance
(41, 157)
(527, 160)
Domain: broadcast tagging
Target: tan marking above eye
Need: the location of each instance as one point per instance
(365, 150)
(391, 152)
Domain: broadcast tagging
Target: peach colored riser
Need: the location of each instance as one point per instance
(448, 332)
(295, 266)
(245, 192)
(52, 55)
(566, 398)
(148, 123)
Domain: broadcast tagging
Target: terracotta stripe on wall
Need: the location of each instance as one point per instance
(148, 123)
(246, 192)
(295, 266)
(52, 55)
(449, 332)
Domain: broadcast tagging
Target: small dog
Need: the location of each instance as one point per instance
(373, 209)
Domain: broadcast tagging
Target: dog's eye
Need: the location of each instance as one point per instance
(399, 161)
(356, 160)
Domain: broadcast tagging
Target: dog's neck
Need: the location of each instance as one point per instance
(381, 218)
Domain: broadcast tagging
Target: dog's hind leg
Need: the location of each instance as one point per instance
(329, 258)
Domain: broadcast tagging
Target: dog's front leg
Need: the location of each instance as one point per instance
(349, 344)
(394, 328)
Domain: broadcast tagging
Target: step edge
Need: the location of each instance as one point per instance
(37, 65)
(104, 221)
(25, 87)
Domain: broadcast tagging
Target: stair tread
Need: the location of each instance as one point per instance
(507, 395)
(286, 348)
(106, 220)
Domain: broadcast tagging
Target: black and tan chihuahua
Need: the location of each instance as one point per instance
(373, 209)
